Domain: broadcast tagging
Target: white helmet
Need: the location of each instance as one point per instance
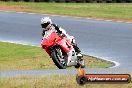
(45, 21)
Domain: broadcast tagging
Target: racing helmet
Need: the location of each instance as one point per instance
(45, 21)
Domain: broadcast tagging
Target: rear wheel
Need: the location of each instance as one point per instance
(59, 58)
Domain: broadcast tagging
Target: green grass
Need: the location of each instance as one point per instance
(55, 81)
(24, 57)
(15, 56)
(111, 11)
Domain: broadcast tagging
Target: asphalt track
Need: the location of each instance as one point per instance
(104, 39)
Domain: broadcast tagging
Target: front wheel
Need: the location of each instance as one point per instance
(59, 58)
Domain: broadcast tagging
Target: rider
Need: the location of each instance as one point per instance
(47, 24)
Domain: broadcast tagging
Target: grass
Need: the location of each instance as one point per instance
(55, 81)
(107, 11)
(25, 57)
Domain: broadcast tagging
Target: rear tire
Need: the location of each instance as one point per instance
(56, 57)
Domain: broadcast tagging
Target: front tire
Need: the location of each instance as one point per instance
(59, 58)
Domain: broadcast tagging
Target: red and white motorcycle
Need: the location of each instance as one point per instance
(61, 50)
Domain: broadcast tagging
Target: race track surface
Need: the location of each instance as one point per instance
(104, 39)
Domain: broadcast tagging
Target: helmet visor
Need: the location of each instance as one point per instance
(44, 25)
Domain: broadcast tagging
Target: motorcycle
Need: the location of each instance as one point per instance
(61, 50)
